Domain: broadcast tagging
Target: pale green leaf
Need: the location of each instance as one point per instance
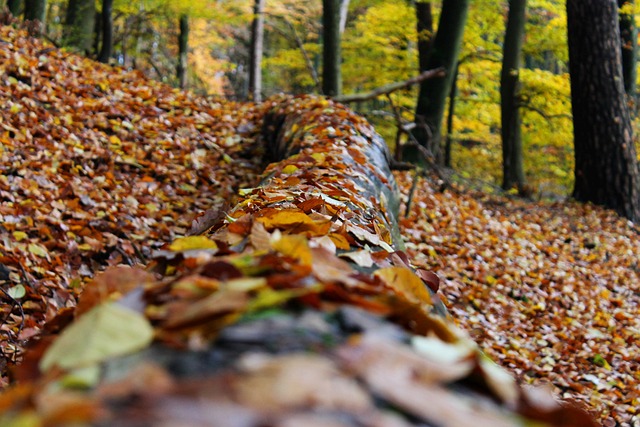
(17, 292)
(107, 331)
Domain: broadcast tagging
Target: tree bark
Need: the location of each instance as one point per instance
(80, 24)
(512, 168)
(15, 7)
(107, 31)
(606, 168)
(629, 39)
(424, 24)
(331, 53)
(257, 43)
(344, 13)
(183, 48)
(36, 10)
(433, 93)
(450, 114)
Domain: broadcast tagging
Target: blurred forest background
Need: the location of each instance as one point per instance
(379, 46)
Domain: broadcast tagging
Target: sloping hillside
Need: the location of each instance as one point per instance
(98, 166)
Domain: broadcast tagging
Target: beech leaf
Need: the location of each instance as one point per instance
(192, 243)
(107, 331)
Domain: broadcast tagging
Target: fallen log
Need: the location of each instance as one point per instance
(298, 307)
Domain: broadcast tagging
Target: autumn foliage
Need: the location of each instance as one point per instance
(294, 305)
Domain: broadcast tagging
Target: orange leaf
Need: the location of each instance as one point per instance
(405, 283)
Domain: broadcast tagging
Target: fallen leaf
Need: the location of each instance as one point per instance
(405, 283)
(106, 331)
(191, 243)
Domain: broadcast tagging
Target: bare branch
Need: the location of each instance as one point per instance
(387, 89)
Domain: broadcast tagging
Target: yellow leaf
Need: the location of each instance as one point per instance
(19, 235)
(245, 284)
(318, 157)
(294, 221)
(38, 250)
(405, 283)
(107, 331)
(267, 298)
(289, 169)
(295, 246)
(192, 242)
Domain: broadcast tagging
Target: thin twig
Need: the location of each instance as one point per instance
(298, 41)
(414, 184)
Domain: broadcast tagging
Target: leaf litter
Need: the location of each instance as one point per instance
(100, 167)
(550, 291)
(231, 320)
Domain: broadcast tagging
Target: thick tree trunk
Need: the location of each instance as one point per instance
(606, 168)
(183, 49)
(107, 31)
(36, 10)
(629, 39)
(15, 7)
(257, 42)
(80, 24)
(512, 168)
(331, 51)
(433, 93)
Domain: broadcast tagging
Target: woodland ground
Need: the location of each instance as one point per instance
(99, 168)
(549, 291)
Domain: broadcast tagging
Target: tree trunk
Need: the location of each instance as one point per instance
(424, 20)
(606, 168)
(433, 93)
(257, 43)
(344, 13)
(629, 38)
(80, 24)
(15, 7)
(183, 48)
(331, 75)
(451, 113)
(36, 10)
(107, 31)
(512, 169)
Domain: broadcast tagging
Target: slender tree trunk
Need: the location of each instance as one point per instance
(451, 113)
(433, 93)
(107, 31)
(36, 10)
(606, 168)
(183, 48)
(80, 24)
(257, 43)
(344, 12)
(15, 7)
(424, 26)
(331, 55)
(512, 169)
(629, 38)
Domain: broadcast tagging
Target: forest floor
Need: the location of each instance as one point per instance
(99, 168)
(551, 291)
